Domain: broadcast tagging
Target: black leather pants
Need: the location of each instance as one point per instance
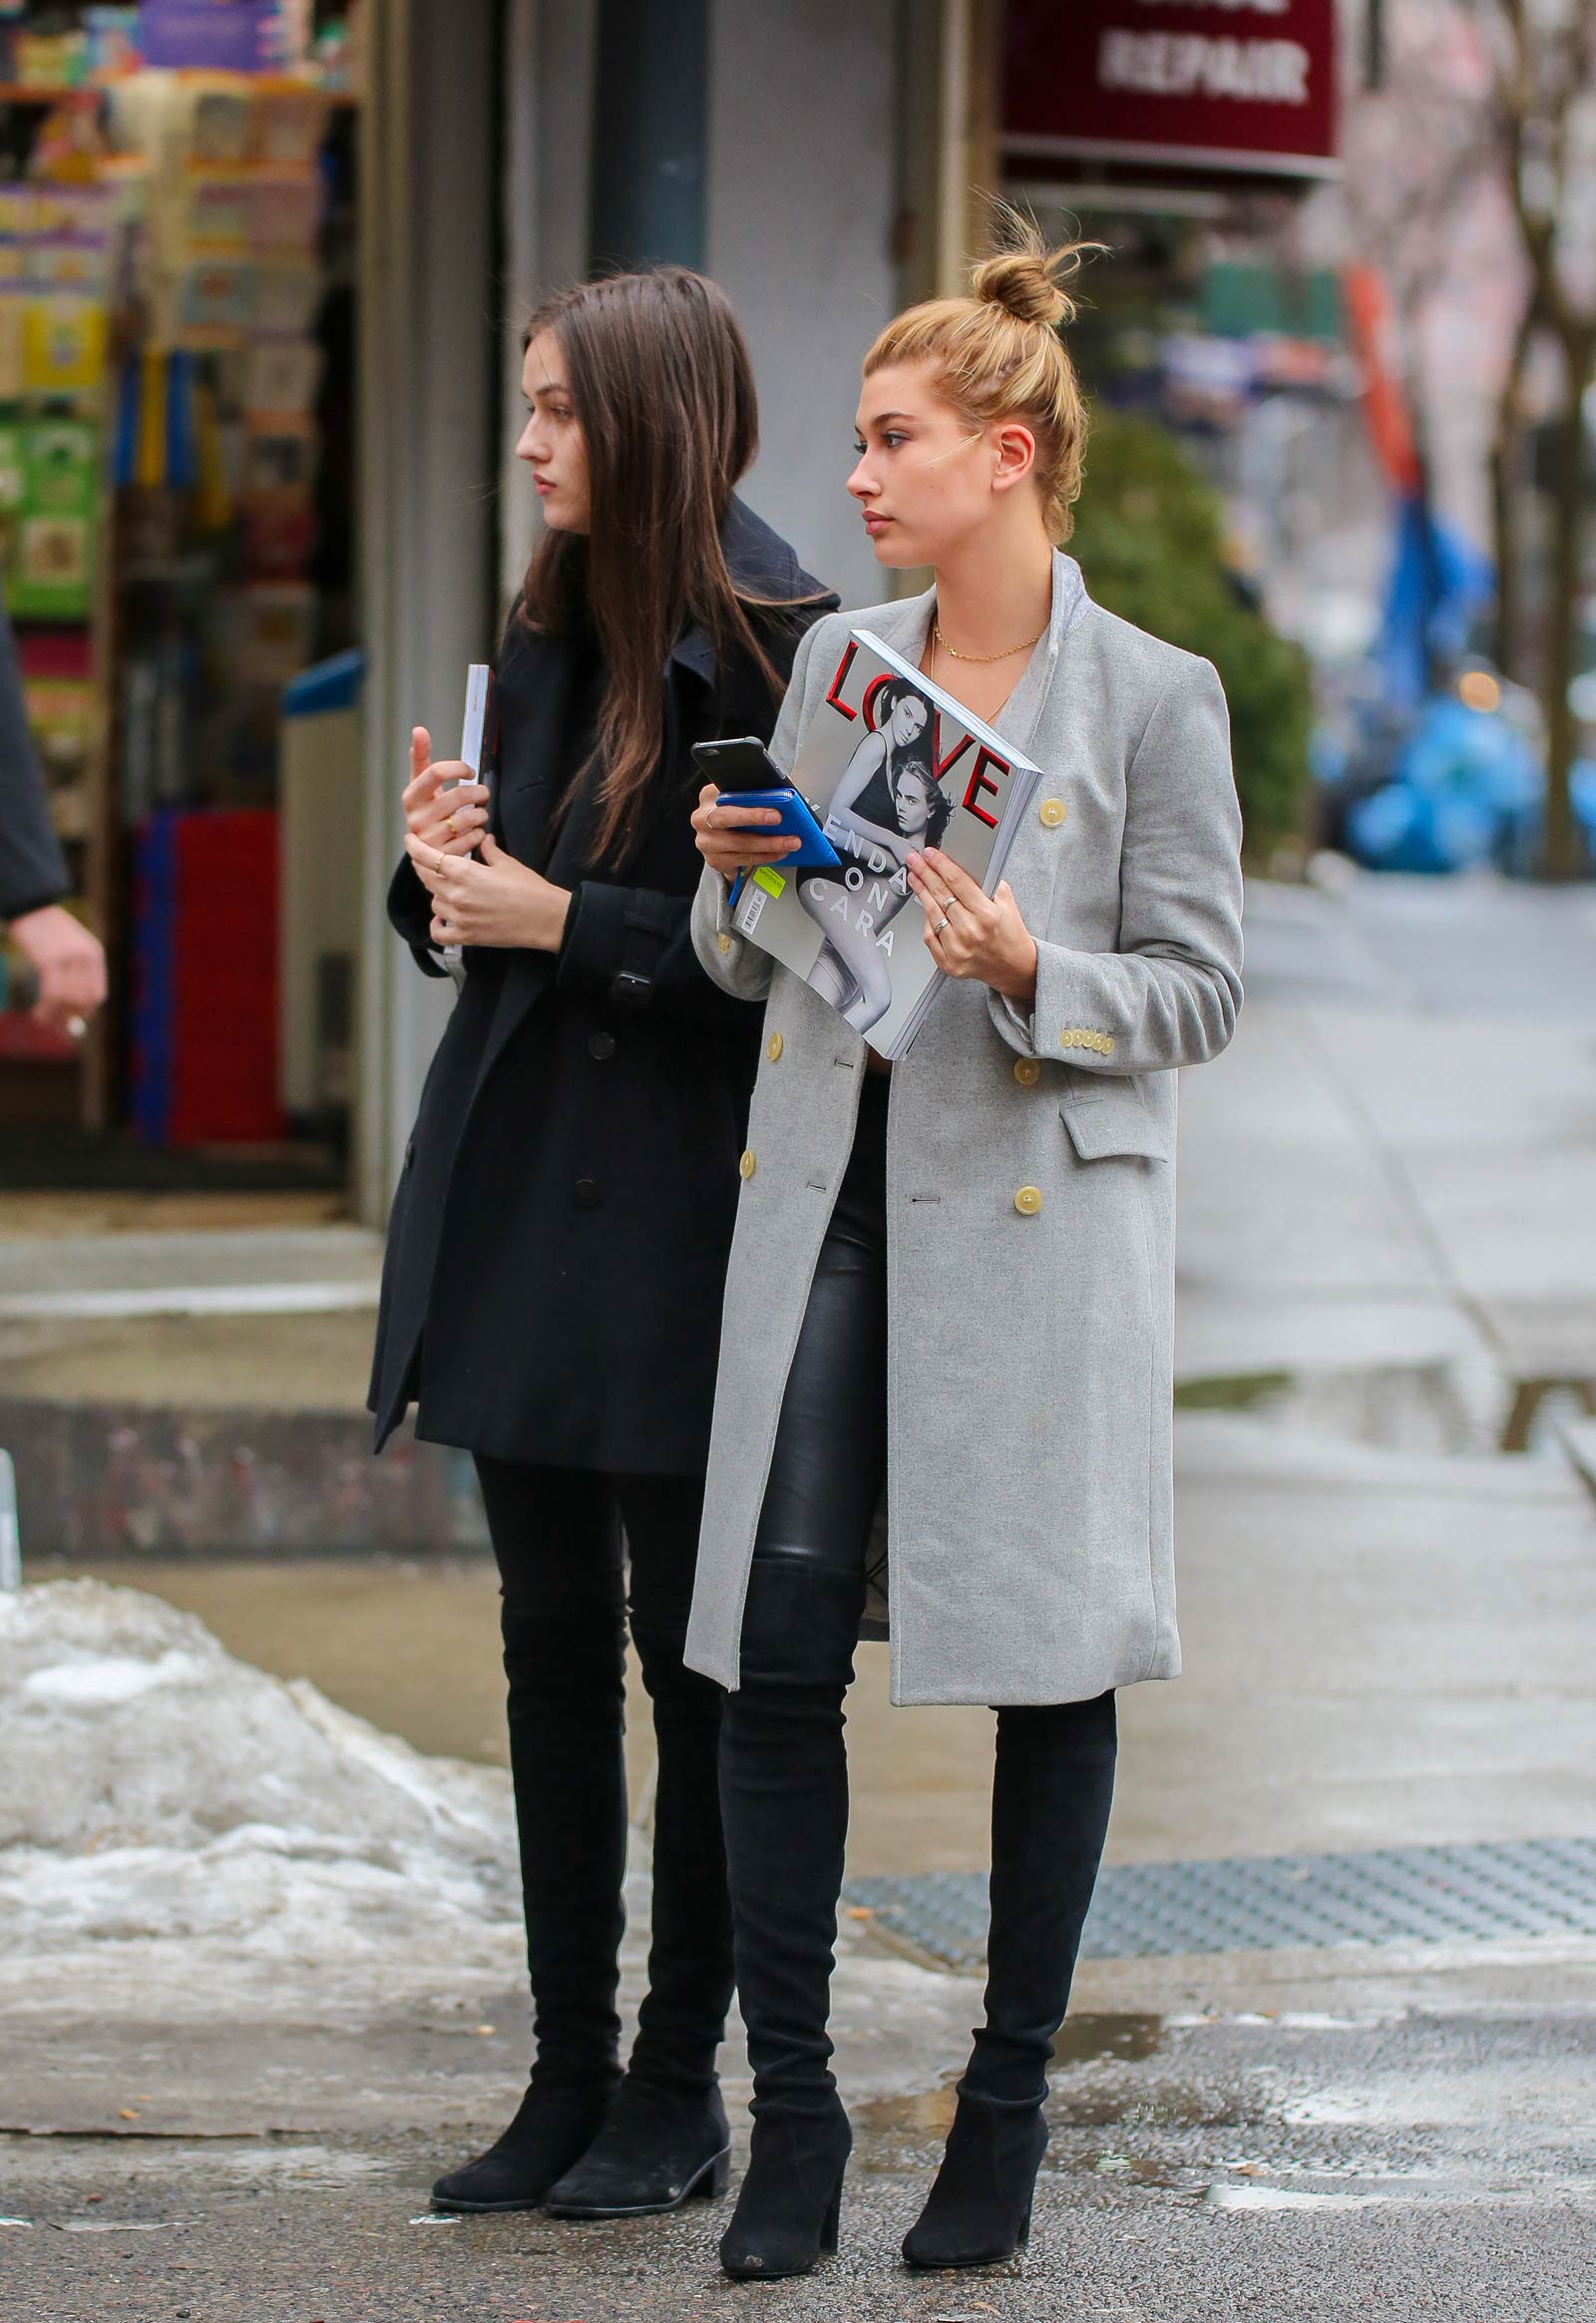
(783, 1762)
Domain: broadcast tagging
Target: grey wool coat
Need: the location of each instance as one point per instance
(1030, 1191)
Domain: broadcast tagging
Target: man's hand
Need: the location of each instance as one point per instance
(497, 902)
(71, 965)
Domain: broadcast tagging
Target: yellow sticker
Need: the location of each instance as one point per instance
(771, 880)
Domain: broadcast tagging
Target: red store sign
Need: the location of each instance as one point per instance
(1181, 84)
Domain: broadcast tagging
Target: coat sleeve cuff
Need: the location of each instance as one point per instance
(1121, 1012)
(594, 937)
(738, 967)
(1065, 1023)
(410, 913)
(31, 904)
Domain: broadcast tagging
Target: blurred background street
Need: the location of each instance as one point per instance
(261, 275)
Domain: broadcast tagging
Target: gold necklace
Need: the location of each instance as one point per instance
(936, 638)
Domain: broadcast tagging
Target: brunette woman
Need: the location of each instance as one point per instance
(956, 1282)
(558, 1244)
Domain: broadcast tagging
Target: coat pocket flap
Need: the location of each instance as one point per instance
(1114, 1120)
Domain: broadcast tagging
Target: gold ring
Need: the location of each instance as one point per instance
(437, 866)
(453, 829)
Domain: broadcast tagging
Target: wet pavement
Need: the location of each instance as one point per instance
(1310, 2164)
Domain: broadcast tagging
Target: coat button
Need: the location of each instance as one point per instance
(1027, 1073)
(1052, 812)
(724, 941)
(1029, 1201)
(585, 1193)
(748, 1164)
(774, 1046)
(601, 1044)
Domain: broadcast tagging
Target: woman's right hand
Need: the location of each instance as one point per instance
(727, 838)
(449, 821)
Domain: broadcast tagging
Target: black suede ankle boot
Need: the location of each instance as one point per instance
(791, 2196)
(978, 2210)
(553, 2128)
(658, 2148)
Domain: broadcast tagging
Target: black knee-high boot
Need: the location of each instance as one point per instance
(667, 2139)
(1051, 1793)
(563, 1660)
(784, 1806)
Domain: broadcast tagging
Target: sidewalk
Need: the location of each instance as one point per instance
(1264, 2107)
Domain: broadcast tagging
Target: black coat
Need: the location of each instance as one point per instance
(558, 1244)
(33, 869)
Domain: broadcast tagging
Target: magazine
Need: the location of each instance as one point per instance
(891, 762)
(479, 683)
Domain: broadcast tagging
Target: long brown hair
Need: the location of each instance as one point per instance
(664, 390)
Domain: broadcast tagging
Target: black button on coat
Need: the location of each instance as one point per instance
(558, 1244)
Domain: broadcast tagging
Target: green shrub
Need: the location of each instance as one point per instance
(1149, 537)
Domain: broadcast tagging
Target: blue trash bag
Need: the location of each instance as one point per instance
(1400, 828)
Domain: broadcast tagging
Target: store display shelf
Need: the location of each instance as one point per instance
(33, 92)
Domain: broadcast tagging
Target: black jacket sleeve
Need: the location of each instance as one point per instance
(33, 869)
(633, 946)
(410, 911)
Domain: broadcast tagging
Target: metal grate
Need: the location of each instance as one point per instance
(1252, 1903)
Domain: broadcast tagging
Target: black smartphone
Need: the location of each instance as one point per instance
(743, 764)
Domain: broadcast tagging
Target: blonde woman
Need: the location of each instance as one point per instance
(955, 1284)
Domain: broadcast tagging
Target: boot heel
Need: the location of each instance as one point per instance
(833, 2221)
(1025, 2230)
(717, 2180)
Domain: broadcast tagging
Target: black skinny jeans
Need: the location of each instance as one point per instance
(783, 1762)
(557, 1534)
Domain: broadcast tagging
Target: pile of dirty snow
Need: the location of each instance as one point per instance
(163, 1798)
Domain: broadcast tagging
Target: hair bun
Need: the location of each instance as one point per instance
(1027, 278)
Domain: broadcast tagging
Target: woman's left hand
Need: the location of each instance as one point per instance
(969, 933)
(497, 902)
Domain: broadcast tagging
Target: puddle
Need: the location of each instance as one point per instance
(1086, 2040)
(1251, 2197)
(914, 2122)
(923, 2120)
(304, 2165)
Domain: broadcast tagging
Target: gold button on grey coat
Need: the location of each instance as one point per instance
(1030, 1213)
